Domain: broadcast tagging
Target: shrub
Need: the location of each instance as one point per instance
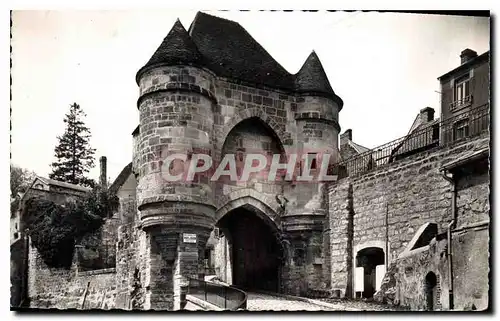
(56, 228)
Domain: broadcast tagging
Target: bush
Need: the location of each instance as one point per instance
(56, 228)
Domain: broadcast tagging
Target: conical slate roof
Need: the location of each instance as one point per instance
(312, 77)
(176, 49)
(227, 49)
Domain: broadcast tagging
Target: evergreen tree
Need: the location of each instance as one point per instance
(74, 155)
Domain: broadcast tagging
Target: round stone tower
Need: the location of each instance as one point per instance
(316, 119)
(176, 117)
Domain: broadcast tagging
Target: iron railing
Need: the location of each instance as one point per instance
(437, 133)
(222, 296)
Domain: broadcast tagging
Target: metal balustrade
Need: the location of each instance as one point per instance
(442, 133)
(220, 295)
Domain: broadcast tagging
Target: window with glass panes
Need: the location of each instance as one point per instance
(462, 88)
(461, 128)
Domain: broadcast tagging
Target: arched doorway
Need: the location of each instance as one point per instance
(254, 252)
(430, 290)
(370, 269)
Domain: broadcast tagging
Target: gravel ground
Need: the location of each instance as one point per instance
(363, 305)
(265, 302)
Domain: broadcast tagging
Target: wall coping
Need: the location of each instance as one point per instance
(96, 272)
(413, 252)
(472, 226)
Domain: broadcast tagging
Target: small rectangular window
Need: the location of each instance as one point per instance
(461, 91)
(435, 132)
(461, 129)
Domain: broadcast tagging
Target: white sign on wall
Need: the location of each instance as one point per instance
(189, 238)
(359, 279)
(379, 276)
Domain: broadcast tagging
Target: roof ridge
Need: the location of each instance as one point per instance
(359, 148)
(50, 181)
(227, 49)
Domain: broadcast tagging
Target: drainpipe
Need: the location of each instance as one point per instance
(450, 226)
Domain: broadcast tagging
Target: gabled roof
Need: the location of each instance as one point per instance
(121, 178)
(358, 148)
(53, 182)
(176, 49)
(481, 58)
(229, 51)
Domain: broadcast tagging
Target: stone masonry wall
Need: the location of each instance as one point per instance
(411, 277)
(65, 289)
(471, 268)
(340, 219)
(405, 194)
(473, 201)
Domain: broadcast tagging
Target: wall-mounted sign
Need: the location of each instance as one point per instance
(359, 279)
(189, 238)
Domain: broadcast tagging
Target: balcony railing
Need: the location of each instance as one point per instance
(222, 296)
(460, 103)
(465, 125)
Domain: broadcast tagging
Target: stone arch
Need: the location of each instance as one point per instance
(250, 198)
(256, 113)
(367, 244)
(431, 282)
(254, 254)
(371, 258)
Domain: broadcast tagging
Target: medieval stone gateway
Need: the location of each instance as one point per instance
(396, 212)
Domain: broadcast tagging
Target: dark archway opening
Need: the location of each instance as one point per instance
(369, 258)
(255, 253)
(430, 287)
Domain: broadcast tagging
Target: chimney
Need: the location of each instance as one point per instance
(426, 115)
(345, 137)
(102, 176)
(467, 55)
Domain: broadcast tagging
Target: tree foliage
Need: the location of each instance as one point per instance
(20, 179)
(74, 155)
(55, 229)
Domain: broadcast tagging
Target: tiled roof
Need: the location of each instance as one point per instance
(121, 178)
(64, 184)
(481, 58)
(360, 149)
(469, 156)
(176, 49)
(312, 77)
(228, 50)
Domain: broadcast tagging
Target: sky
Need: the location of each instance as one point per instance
(383, 65)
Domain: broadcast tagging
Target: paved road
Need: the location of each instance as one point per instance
(265, 302)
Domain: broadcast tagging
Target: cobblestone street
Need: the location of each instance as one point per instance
(265, 302)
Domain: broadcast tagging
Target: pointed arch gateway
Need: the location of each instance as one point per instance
(251, 254)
